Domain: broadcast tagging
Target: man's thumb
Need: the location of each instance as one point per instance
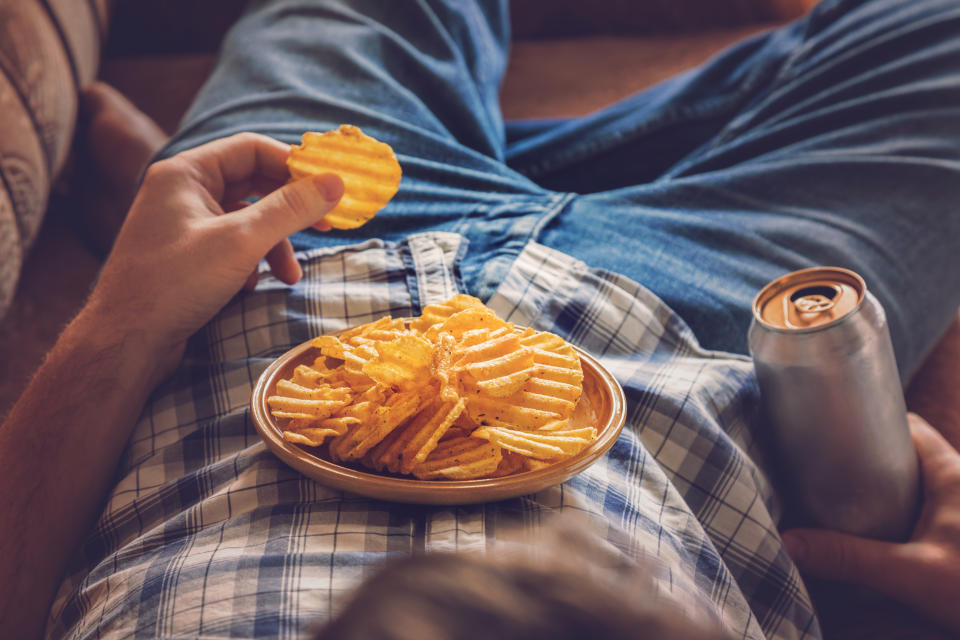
(839, 556)
(293, 207)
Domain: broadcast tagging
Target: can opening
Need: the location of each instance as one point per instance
(816, 290)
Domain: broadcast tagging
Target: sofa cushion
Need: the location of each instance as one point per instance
(47, 50)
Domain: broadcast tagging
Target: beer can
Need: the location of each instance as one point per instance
(833, 399)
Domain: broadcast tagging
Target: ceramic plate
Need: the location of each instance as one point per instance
(602, 405)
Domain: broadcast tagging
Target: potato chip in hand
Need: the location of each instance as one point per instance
(369, 170)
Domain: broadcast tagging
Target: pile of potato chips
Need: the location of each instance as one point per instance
(455, 394)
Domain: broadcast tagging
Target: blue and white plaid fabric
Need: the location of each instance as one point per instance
(207, 534)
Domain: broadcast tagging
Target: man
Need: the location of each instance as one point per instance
(826, 142)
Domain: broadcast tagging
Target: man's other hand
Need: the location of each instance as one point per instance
(924, 572)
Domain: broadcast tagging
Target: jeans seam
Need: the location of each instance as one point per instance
(559, 202)
(706, 108)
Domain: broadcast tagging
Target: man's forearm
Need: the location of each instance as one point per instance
(178, 259)
(58, 452)
(934, 392)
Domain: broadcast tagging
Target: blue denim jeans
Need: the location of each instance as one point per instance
(834, 140)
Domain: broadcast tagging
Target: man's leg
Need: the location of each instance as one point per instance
(833, 141)
(933, 393)
(421, 76)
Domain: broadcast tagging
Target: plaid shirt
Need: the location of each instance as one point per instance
(207, 534)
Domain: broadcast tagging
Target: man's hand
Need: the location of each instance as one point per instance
(189, 243)
(178, 259)
(923, 573)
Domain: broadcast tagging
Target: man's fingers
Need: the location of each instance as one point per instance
(258, 186)
(283, 263)
(238, 158)
(291, 208)
(929, 442)
(839, 556)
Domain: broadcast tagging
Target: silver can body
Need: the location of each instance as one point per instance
(834, 401)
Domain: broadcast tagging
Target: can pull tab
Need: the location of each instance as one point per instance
(811, 306)
(813, 303)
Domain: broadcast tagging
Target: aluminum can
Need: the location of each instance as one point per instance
(833, 400)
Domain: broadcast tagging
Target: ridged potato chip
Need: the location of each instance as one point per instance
(368, 168)
(542, 445)
(309, 376)
(476, 336)
(510, 463)
(314, 436)
(410, 445)
(402, 363)
(523, 411)
(442, 366)
(460, 459)
(498, 366)
(557, 371)
(466, 320)
(437, 313)
(354, 444)
(365, 405)
(462, 427)
(330, 346)
(386, 328)
(294, 401)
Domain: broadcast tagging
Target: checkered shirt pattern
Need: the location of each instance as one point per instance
(207, 534)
